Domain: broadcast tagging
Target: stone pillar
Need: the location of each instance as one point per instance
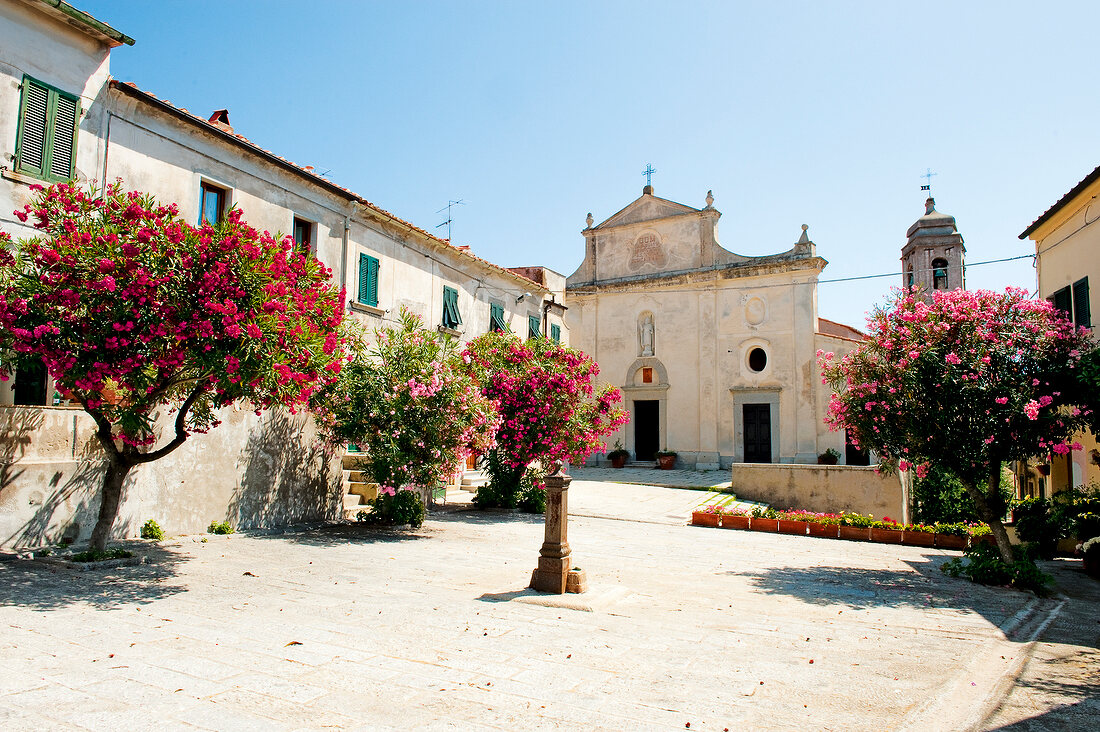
(554, 573)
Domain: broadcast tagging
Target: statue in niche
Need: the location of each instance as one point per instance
(645, 335)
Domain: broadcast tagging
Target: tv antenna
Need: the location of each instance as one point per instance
(449, 220)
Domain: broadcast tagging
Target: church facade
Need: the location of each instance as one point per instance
(715, 352)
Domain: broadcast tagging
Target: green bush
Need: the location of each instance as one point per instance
(151, 530)
(94, 555)
(1038, 525)
(219, 528)
(940, 497)
(511, 487)
(403, 507)
(982, 563)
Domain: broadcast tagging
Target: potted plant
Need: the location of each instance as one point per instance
(792, 522)
(735, 519)
(951, 536)
(708, 516)
(886, 531)
(829, 457)
(855, 527)
(823, 525)
(666, 459)
(618, 456)
(766, 519)
(918, 535)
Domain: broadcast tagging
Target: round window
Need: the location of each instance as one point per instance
(758, 359)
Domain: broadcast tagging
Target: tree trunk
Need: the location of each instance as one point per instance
(988, 503)
(110, 499)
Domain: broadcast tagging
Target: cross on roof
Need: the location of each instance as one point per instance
(648, 173)
(927, 175)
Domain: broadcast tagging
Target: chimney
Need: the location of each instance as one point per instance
(220, 118)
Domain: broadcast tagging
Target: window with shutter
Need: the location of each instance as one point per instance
(533, 326)
(496, 317)
(555, 333)
(45, 144)
(368, 280)
(211, 203)
(1063, 301)
(1082, 315)
(451, 317)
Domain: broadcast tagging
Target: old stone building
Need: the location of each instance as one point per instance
(933, 255)
(715, 352)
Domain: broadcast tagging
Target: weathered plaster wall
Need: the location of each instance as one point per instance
(823, 488)
(255, 472)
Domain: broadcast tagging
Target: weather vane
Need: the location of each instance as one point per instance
(648, 173)
(927, 175)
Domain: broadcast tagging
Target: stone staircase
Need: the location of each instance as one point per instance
(474, 479)
(357, 491)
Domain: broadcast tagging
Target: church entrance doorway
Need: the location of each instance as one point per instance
(647, 429)
(758, 432)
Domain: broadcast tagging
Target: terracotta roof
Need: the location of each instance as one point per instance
(222, 132)
(1062, 202)
(839, 330)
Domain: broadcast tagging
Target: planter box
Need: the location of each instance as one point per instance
(886, 536)
(699, 518)
(764, 524)
(983, 539)
(824, 531)
(787, 526)
(950, 541)
(855, 533)
(918, 538)
(735, 522)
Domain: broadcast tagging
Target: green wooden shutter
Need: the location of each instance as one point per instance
(1064, 302)
(1081, 312)
(364, 280)
(451, 316)
(533, 329)
(555, 333)
(372, 282)
(496, 317)
(63, 137)
(33, 128)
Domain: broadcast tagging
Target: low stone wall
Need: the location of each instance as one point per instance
(820, 488)
(255, 472)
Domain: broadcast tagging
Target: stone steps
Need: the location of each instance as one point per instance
(474, 479)
(359, 491)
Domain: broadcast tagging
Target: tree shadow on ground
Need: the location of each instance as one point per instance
(346, 533)
(486, 517)
(40, 586)
(921, 587)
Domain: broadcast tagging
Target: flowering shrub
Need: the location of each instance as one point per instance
(409, 406)
(131, 309)
(549, 407)
(967, 381)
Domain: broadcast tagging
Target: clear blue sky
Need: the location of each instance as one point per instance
(536, 113)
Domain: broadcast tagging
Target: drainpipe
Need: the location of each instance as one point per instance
(344, 255)
(106, 150)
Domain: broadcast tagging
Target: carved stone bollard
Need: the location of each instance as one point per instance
(554, 573)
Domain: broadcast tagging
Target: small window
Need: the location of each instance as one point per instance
(910, 276)
(368, 280)
(758, 359)
(45, 145)
(30, 383)
(211, 203)
(939, 274)
(451, 317)
(303, 235)
(555, 333)
(1082, 315)
(534, 329)
(496, 317)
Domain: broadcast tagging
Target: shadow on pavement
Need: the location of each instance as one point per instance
(344, 534)
(486, 517)
(37, 585)
(1079, 716)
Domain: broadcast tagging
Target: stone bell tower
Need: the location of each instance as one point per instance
(932, 257)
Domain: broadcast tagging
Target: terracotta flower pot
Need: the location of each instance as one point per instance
(764, 524)
(824, 531)
(855, 533)
(735, 522)
(700, 518)
(787, 526)
(886, 536)
(950, 541)
(666, 462)
(918, 538)
(618, 461)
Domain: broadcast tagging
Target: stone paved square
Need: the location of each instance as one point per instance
(354, 627)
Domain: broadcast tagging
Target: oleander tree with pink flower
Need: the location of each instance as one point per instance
(135, 312)
(410, 406)
(551, 408)
(967, 381)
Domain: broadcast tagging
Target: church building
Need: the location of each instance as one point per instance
(715, 352)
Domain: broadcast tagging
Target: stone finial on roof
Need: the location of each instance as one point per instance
(930, 205)
(589, 220)
(710, 199)
(805, 238)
